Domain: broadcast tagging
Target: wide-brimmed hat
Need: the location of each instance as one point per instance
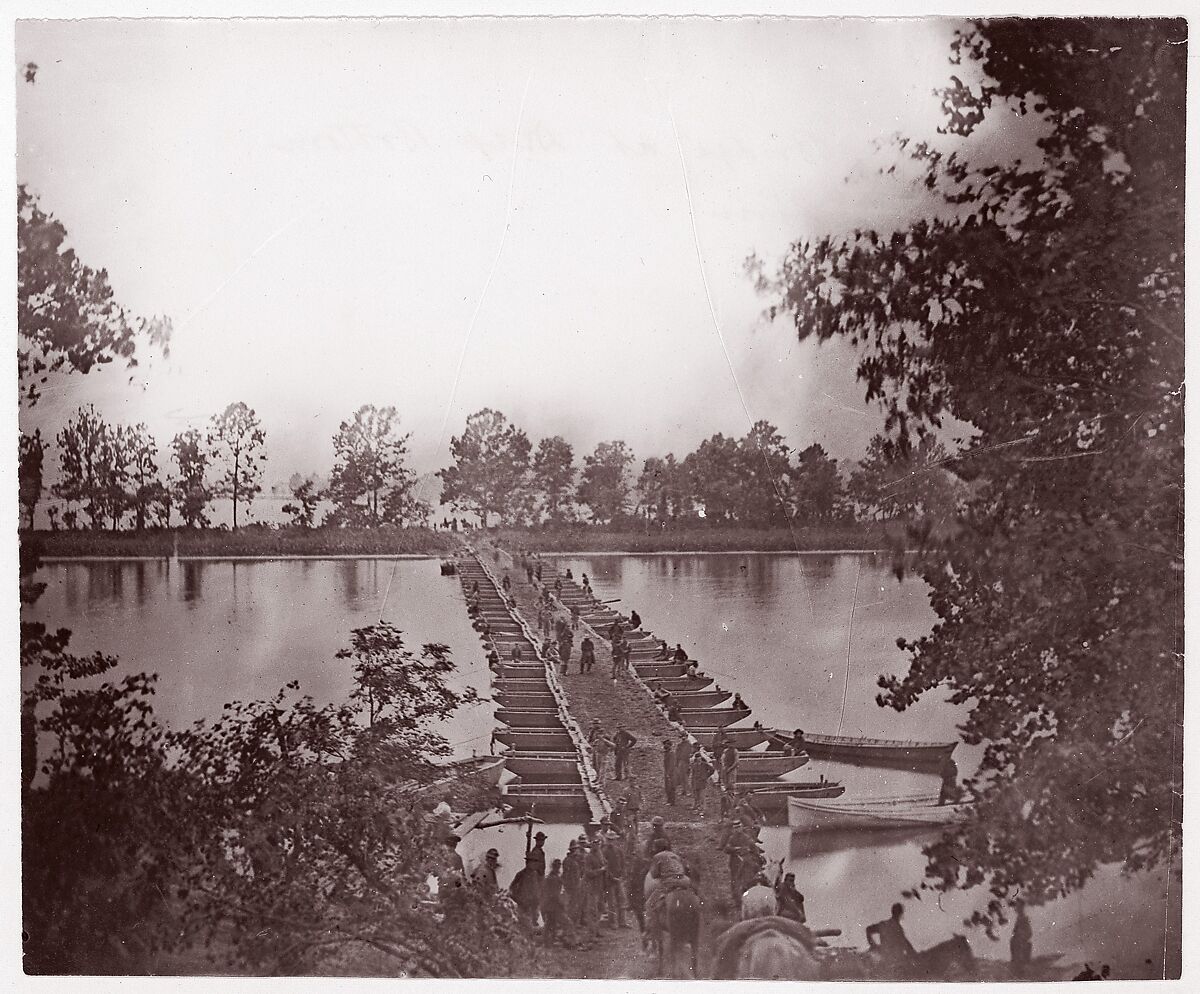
(657, 820)
(492, 854)
(540, 835)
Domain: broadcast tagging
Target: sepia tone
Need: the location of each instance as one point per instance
(603, 498)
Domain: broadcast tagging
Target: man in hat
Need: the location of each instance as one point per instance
(601, 748)
(526, 891)
(667, 872)
(701, 774)
(538, 854)
(623, 743)
(572, 881)
(553, 910)
(485, 873)
(633, 804)
(614, 880)
(658, 833)
(619, 819)
(683, 762)
(594, 869)
(587, 655)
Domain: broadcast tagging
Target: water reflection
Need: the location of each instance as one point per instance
(193, 581)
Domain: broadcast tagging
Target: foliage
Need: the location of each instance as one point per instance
(1043, 304)
(31, 453)
(662, 489)
(694, 536)
(817, 488)
(766, 469)
(304, 509)
(370, 483)
(554, 478)
(81, 450)
(604, 484)
(236, 440)
(67, 319)
(917, 485)
(189, 488)
(280, 834)
(491, 461)
(148, 490)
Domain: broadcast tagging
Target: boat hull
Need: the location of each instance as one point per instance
(544, 769)
(742, 738)
(772, 797)
(756, 765)
(803, 815)
(712, 717)
(529, 719)
(876, 752)
(531, 740)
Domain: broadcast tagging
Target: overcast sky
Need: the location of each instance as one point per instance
(337, 212)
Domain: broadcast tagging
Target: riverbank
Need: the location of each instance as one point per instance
(814, 538)
(260, 541)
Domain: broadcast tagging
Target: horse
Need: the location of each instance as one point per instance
(678, 922)
(770, 948)
(758, 902)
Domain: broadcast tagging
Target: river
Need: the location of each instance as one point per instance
(803, 638)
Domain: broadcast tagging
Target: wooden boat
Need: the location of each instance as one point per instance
(824, 816)
(529, 719)
(488, 768)
(690, 699)
(884, 752)
(675, 683)
(549, 801)
(527, 702)
(743, 738)
(758, 765)
(536, 686)
(544, 767)
(647, 670)
(535, 740)
(773, 796)
(711, 717)
(520, 671)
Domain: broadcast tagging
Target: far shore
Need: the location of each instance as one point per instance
(263, 542)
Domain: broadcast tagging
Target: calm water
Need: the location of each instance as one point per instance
(776, 628)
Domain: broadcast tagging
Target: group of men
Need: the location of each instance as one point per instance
(619, 745)
(684, 769)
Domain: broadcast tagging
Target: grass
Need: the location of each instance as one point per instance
(593, 539)
(251, 540)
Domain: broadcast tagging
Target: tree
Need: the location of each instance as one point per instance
(554, 477)
(1043, 305)
(919, 485)
(766, 472)
(79, 452)
(491, 463)
(67, 319)
(604, 483)
(190, 490)
(31, 453)
(149, 491)
(715, 476)
(113, 472)
(817, 487)
(370, 484)
(236, 440)
(306, 498)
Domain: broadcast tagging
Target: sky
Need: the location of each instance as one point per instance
(549, 217)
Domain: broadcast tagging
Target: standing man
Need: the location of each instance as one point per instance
(553, 912)
(701, 774)
(949, 792)
(730, 764)
(574, 617)
(601, 748)
(633, 805)
(593, 884)
(614, 879)
(1020, 946)
(669, 770)
(526, 891)
(572, 882)
(683, 762)
(538, 854)
(566, 643)
(485, 874)
(587, 655)
(623, 743)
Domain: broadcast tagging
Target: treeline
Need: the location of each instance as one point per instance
(112, 475)
(754, 481)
